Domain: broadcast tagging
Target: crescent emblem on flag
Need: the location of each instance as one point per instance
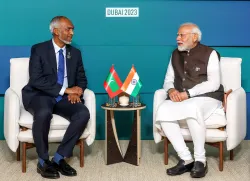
(110, 80)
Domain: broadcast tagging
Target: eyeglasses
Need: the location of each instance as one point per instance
(182, 35)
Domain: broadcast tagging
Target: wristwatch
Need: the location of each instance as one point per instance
(188, 93)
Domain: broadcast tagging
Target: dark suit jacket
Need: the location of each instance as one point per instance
(43, 71)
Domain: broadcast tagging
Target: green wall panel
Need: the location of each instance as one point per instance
(26, 22)
(150, 62)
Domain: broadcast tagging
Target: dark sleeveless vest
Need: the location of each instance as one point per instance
(190, 69)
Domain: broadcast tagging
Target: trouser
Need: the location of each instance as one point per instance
(198, 132)
(42, 108)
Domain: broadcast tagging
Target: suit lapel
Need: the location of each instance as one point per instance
(52, 57)
(68, 61)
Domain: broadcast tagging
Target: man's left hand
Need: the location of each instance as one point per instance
(74, 98)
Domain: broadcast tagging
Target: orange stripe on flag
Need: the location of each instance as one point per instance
(128, 79)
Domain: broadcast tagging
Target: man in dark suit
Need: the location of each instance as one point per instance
(56, 85)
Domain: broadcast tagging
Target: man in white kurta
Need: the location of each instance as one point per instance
(193, 102)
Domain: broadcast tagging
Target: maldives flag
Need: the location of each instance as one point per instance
(132, 84)
(113, 83)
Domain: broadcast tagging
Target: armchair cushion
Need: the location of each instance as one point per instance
(19, 75)
(236, 118)
(54, 135)
(212, 135)
(57, 122)
(230, 73)
(216, 120)
(11, 116)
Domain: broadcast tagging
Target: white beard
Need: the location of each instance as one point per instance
(64, 41)
(185, 47)
(182, 48)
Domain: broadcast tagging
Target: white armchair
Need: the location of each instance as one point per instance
(231, 128)
(18, 122)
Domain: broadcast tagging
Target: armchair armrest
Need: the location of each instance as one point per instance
(11, 117)
(236, 118)
(90, 103)
(159, 96)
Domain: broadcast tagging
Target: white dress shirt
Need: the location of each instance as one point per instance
(65, 81)
(213, 77)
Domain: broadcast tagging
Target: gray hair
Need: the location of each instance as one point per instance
(55, 22)
(195, 29)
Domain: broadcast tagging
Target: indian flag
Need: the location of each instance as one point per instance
(132, 84)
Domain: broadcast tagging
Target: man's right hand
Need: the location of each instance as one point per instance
(174, 95)
(74, 90)
(74, 98)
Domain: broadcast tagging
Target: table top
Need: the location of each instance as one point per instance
(118, 107)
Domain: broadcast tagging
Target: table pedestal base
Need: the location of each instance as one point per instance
(113, 149)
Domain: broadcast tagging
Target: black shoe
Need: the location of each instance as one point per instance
(47, 170)
(180, 168)
(64, 168)
(199, 170)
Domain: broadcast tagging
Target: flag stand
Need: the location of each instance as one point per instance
(136, 101)
(111, 102)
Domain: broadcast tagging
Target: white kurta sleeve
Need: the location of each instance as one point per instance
(169, 77)
(213, 77)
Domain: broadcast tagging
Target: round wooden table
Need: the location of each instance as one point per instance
(113, 153)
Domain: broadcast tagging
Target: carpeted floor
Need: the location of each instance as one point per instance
(151, 168)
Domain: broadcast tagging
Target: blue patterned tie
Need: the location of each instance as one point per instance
(60, 72)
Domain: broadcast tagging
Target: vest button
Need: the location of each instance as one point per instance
(183, 79)
(185, 62)
(185, 72)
